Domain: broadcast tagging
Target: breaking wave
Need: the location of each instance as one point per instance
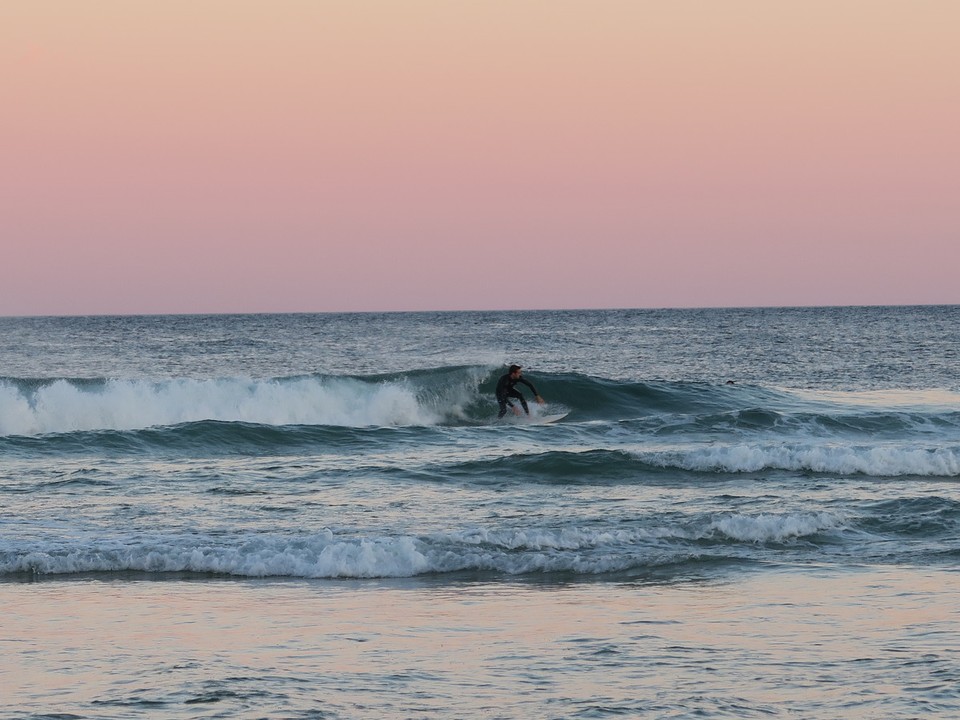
(509, 551)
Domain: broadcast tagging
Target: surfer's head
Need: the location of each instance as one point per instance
(515, 370)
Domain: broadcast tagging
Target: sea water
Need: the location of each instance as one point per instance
(743, 513)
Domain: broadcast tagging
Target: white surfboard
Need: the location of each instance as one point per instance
(545, 418)
(537, 416)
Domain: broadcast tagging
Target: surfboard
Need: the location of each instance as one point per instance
(543, 417)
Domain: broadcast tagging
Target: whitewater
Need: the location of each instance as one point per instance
(735, 501)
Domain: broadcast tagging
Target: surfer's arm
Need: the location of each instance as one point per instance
(536, 395)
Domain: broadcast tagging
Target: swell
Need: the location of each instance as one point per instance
(873, 423)
(601, 455)
(557, 467)
(599, 466)
(214, 438)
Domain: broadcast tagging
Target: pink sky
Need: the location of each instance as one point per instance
(328, 155)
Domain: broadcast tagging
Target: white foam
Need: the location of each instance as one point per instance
(63, 406)
(882, 460)
(774, 528)
(325, 555)
(317, 556)
(16, 415)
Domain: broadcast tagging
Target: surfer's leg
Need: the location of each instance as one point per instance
(503, 408)
(522, 399)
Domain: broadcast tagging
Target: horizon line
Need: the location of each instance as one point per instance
(478, 310)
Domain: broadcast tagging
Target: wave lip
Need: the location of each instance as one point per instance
(62, 406)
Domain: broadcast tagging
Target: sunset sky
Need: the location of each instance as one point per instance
(332, 155)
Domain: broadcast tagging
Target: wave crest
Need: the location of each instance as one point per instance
(887, 460)
(61, 405)
(511, 551)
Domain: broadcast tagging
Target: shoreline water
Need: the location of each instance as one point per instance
(815, 642)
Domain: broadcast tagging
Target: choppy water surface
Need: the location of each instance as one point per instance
(325, 519)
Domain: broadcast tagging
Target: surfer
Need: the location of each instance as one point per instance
(506, 390)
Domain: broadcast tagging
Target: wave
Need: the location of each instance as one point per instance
(615, 432)
(60, 405)
(212, 437)
(886, 460)
(509, 551)
(398, 452)
(622, 466)
(461, 395)
(915, 529)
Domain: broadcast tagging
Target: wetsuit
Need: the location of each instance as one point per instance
(505, 391)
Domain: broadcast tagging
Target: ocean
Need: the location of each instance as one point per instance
(742, 513)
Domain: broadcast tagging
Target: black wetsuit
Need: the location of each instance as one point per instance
(505, 391)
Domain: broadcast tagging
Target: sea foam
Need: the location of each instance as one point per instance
(511, 551)
(881, 460)
(66, 406)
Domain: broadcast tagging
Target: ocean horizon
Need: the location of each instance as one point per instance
(415, 311)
